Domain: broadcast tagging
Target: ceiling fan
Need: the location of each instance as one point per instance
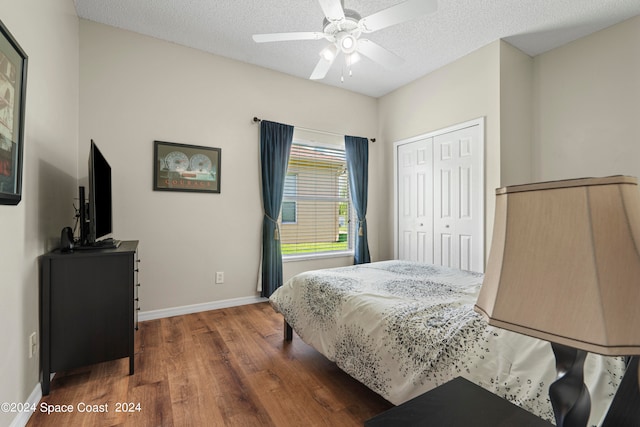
(343, 28)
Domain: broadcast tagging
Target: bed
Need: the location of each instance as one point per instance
(402, 328)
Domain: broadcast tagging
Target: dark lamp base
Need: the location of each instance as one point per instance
(568, 394)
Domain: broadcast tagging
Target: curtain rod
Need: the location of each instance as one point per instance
(257, 120)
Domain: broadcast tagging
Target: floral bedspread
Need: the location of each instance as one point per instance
(403, 328)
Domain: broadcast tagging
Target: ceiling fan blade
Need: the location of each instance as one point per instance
(393, 15)
(282, 37)
(332, 9)
(326, 60)
(377, 53)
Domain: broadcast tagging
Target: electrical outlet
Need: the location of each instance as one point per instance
(220, 277)
(33, 344)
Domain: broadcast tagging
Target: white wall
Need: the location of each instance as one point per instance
(568, 113)
(516, 116)
(466, 89)
(136, 89)
(586, 108)
(48, 33)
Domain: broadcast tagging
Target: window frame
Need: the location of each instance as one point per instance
(314, 139)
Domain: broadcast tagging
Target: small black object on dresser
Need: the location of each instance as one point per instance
(458, 403)
(88, 308)
(66, 240)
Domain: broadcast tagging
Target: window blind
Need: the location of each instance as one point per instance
(316, 210)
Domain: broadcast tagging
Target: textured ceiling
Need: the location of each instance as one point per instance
(225, 27)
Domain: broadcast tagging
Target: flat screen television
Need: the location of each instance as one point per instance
(96, 217)
(100, 210)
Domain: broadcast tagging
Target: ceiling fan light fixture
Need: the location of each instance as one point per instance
(329, 53)
(348, 44)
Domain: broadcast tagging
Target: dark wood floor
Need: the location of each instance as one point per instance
(227, 367)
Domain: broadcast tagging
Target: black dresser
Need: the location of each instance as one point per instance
(88, 307)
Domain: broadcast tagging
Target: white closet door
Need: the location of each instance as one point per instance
(415, 195)
(458, 199)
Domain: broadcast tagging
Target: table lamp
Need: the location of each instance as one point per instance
(564, 266)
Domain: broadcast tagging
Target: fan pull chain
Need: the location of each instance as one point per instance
(347, 61)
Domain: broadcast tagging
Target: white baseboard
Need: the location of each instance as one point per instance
(22, 418)
(196, 308)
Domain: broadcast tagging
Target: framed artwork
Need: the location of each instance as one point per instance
(183, 167)
(13, 81)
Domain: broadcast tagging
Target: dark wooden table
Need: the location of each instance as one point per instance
(458, 403)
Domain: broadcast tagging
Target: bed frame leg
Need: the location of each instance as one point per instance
(288, 332)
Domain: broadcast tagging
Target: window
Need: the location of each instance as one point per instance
(316, 209)
(289, 207)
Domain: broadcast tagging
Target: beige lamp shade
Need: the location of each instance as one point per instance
(564, 264)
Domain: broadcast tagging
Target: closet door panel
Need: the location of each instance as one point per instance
(458, 194)
(415, 196)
